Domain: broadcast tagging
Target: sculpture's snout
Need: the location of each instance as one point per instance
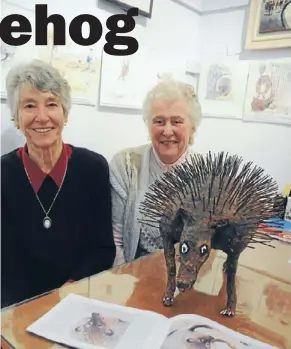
(183, 286)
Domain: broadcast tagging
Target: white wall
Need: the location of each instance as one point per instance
(178, 32)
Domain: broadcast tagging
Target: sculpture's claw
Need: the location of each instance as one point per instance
(227, 312)
(168, 301)
(224, 268)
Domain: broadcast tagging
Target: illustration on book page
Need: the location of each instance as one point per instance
(268, 92)
(100, 330)
(222, 87)
(195, 332)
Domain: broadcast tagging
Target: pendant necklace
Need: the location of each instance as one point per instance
(47, 222)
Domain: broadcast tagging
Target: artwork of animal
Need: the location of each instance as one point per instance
(200, 337)
(209, 202)
(100, 330)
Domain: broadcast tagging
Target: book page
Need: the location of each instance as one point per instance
(85, 323)
(197, 332)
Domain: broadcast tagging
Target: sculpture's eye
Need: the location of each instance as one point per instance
(184, 248)
(203, 250)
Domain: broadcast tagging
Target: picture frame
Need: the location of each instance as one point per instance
(268, 25)
(145, 6)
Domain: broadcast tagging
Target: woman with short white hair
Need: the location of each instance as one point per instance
(172, 114)
(56, 221)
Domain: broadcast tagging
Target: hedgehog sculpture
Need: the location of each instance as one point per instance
(209, 202)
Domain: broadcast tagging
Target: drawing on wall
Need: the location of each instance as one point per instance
(126, 80)
(222, 88)
(12, 55)
(124, 69)
(269, 24)
(268, 92)
(80, 65)
(100, 330)
(219, 83)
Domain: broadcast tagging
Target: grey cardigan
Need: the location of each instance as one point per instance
(130, 179)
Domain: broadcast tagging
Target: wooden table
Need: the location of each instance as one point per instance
(263, 290)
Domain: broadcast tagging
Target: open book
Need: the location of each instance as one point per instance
(84, 323)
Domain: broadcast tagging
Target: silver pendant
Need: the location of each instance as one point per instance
(47, 222)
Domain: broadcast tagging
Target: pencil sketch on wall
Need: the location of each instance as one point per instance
(222, 87)
(219, 83)
(268, 92)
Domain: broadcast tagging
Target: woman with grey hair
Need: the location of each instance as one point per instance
(56, 199)
(172, 114)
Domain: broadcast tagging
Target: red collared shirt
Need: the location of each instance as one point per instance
(36, 175)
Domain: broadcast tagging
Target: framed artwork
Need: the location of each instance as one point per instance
(222, 87)
(269, 25)
(268, 92)
(145, 6)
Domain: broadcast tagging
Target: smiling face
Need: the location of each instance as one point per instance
(41, 118)
(170, 129)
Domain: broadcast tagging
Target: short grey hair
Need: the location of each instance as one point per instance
(173, 90)
(40, 75)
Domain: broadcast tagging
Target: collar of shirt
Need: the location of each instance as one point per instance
(167, 167)
(36, 175)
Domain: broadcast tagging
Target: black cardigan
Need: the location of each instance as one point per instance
(80, 241)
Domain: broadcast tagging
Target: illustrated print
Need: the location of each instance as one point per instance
(100, 330)
(219, 83)
(201, 336)
(272, 89)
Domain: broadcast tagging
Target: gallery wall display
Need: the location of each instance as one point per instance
(126, 80)
(269, 24)
(145, 6)
(256, 91)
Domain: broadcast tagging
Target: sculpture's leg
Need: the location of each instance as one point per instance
(230, 267)
(225, 264)
(169, 252)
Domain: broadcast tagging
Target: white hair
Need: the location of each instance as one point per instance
(40, 75)
(172, 90)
